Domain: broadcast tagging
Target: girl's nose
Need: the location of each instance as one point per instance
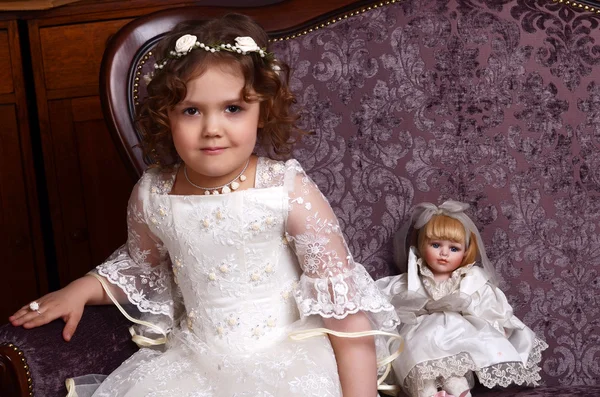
(211, 127)
(444, 251)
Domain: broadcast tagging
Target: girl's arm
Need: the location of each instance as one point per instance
(67, 303)
(333, 285)
(141, 251)
(356, 357)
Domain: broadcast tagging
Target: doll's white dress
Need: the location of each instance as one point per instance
(457, 327)
(227, 278)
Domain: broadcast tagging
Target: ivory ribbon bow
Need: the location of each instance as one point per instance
(411, 305)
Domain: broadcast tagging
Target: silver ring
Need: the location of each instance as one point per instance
(35, 307)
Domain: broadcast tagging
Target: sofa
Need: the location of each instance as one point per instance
(492, 102)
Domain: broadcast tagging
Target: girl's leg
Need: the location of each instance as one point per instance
(457, 386)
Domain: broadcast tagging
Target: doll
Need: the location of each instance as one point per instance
(455, 321)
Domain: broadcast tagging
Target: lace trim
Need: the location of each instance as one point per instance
(157, 278)
(436, 289)
(506, 373)
(502, 374)
(161, 180)
(344, 294)
(444, 368)
(269, 173)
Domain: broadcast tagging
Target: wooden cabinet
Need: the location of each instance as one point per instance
(88, 186)
(23, 271)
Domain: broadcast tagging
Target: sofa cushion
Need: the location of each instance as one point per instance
(495, 103)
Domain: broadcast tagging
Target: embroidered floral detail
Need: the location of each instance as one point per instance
(271, 173)
(288, 291)
(271, 322)
(312, 384)
(160, 182)
(232, 321)
(212, 276)
(191, 319)
(229, 324)
(220, 330)
(255, 276)
(177, 266)
(223, 270)
(257, 332)
(206, 223)
(269, 269)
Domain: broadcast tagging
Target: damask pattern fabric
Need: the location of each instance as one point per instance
(493, 103)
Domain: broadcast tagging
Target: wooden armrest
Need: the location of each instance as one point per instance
(15, 377)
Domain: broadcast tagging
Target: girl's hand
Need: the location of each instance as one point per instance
(67, 303)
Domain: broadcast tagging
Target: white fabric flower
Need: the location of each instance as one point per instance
(246, 44)
(185, 43)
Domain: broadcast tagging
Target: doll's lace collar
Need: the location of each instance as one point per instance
(440, 289)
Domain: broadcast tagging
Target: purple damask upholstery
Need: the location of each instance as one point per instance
(100, 344)
(491, 102)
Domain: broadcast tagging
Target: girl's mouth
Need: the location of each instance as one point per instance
(213, 150)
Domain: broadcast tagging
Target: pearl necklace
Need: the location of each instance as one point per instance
(226, 188)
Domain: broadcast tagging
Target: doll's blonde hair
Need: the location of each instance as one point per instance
(443, 227)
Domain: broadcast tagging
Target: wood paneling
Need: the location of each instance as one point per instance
(106, 185)
(76, 64)
(16, 244)
(92, 187)
(6, 78)
(23, 262)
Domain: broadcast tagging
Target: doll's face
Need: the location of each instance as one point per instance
(443, 257)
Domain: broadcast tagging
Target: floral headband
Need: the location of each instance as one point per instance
(188, 42)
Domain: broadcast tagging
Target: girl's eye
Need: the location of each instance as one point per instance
(454, 249)
(233, 109)
(190, 111)
(435, 245)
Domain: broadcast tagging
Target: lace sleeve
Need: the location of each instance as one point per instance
(140, 270)
(332, 284)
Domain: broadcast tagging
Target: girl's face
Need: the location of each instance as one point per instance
(214, 130)
(443, 257)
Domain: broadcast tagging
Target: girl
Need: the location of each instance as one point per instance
(221, 241)
(456, 322)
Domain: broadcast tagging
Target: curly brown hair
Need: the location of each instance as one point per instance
(277, 130)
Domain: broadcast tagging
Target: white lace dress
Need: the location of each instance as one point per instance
(226, 278)
(458, 327)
